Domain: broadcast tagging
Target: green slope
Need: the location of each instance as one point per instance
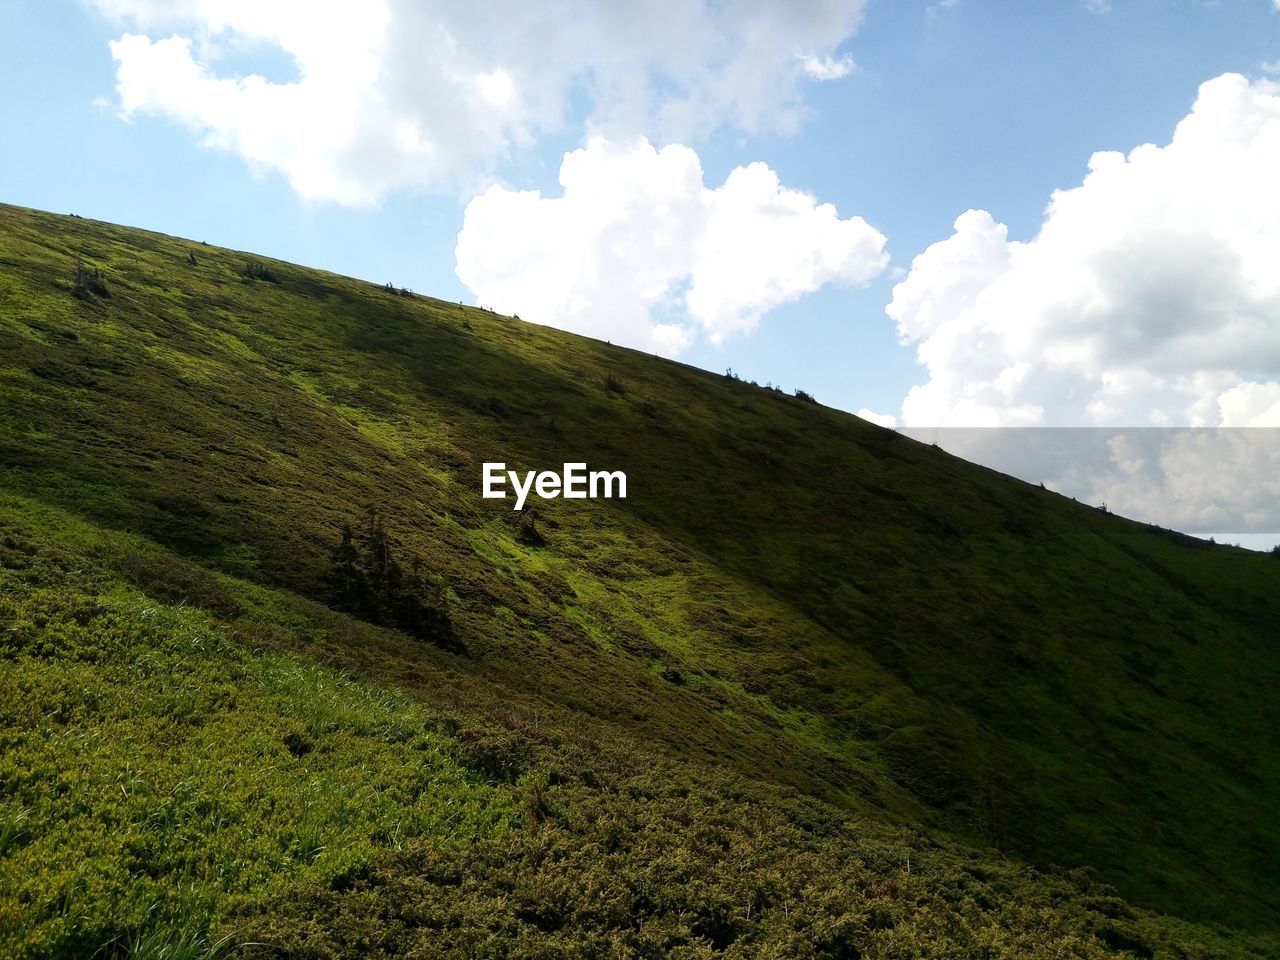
(789, 598)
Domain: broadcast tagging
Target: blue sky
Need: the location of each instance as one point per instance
(902, 115)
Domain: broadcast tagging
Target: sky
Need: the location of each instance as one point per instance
(948, 213)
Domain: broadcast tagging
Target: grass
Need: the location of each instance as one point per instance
(154, 762)
(181, 785)
(796, 618)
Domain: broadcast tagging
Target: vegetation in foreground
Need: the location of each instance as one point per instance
(811, 689)
(179, 784)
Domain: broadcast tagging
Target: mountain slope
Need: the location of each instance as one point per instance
(183, 784)
(787, 594)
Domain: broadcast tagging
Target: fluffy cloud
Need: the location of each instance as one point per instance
(1196, 480)
(1199, 480)
(1251, 405)
(1150, 295)
(637, 249)
(887, 420)
(827, 68)
(396, 93)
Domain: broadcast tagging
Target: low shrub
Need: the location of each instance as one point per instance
(253, 270)
(366, 580)
(500, 755)
(165, 577)
(89, 282)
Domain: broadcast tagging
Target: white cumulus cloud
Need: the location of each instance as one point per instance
(1150, 295)
(828, 68)
(389, 94)
(880, 419)
(639, 250)
(1195, 479)
(1251, 405)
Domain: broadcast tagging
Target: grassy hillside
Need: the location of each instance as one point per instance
(812, 687)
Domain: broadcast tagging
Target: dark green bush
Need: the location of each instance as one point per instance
(500, 755)
(252, 270)
(366, 580)
(89, 282)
